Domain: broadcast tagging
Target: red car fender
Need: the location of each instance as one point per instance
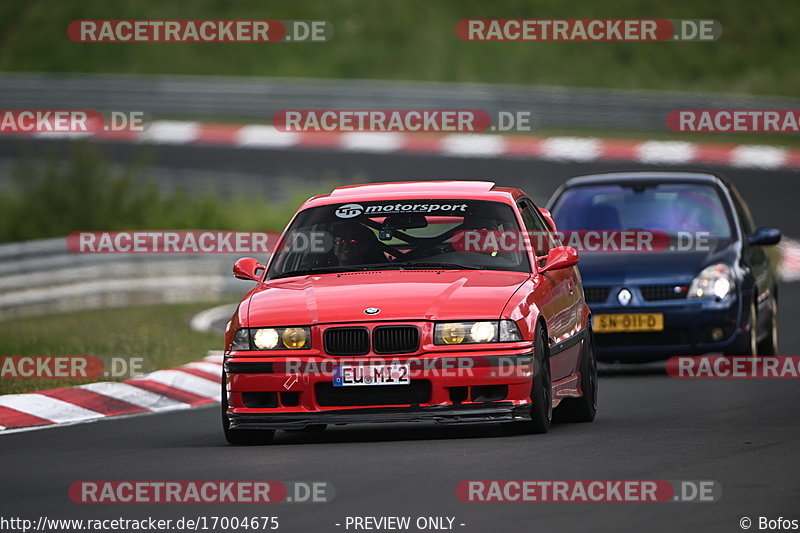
(523, 309)
(239, 318)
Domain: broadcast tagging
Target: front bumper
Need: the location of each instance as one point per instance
(456, 387)
(688, 328)
(440, 414)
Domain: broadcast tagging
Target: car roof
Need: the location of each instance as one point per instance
(473, 190)
(625, 178)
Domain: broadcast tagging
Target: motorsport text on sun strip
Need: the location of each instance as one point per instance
(588, 30)
(199, 31)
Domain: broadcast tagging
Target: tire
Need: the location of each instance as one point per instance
(746, 344)
(769, 346)
(241, 437)
(541, 391)
(582, 409)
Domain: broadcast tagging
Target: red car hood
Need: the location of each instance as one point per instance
(399, 294)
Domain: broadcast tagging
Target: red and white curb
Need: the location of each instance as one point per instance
(579, 149)
(183, 387)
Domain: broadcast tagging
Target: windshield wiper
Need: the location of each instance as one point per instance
(449, 266)
(328, 270)
(374, 266)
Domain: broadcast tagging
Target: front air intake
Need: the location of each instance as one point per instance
(346, 341)
(395, 339)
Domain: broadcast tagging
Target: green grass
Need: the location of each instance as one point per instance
(87, 194)
(160, 334)
(415, 40)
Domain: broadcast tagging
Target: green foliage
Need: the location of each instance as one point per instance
(160, 334)
(87, 194)
(416, 40)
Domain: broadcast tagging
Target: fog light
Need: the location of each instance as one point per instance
(453, 333)
(294, 338)
(717, 334)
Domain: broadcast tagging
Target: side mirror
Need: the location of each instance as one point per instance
(548, 218)
(765, 237)
(560, 257)
(246, 268)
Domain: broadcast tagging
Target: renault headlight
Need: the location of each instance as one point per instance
(713, 281)
(291, 338)
(476, 332)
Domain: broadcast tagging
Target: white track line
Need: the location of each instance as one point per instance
(572, 148)
(170, 132)
(754, 156)
(372, 141)
(672, 152)
(473, 145)
(265, 136)
(202, 321)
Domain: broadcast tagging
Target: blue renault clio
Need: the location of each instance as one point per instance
(711, 289)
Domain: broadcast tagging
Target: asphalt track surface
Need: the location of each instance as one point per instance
(741, 433)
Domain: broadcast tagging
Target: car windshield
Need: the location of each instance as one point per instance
(671, 208)
(404, 234)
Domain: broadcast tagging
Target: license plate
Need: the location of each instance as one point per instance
(360, 375)
(627, 322)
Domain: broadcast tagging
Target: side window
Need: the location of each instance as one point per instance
(542, 240)
(742, 213)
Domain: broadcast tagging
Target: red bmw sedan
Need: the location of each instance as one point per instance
(442, 301)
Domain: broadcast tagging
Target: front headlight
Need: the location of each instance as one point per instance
(266, 338)
(713, 281)
(477, 332)
(291, 338)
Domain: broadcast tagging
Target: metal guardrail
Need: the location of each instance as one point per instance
(257, 99)
(43, 276)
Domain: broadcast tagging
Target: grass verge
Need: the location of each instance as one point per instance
(416, 40)
(160, 334)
